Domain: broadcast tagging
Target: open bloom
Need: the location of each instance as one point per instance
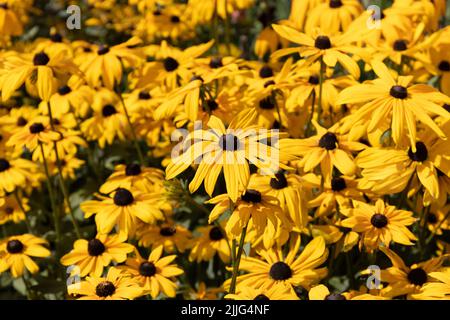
(395, 102)
(117, 285)
(285, 272)
(16, 253)
(379, 224)
(92, 256)
(124, 207)
(229, 149)
(155, 274)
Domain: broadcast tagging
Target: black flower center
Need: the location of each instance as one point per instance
(108, 110)
(216, 62)
(313, 80)
(328, 141)
(335, 296)
(4, 165)
(338, 184)
(229, 142)
(9, 210)
(421, 153)
(400, 45)
(102, 50)
(64, 90)
(335, 4)
(56, 37)
(399, 92)
(170, 64)
(123, 197)
(21, 122)
(40, 59)
(167, 231)
(174, 19)
(266, 72)
(95, 247)
(14, 246)
(147, 269)
(446, 107)
(444, 65)
(252, 195)
(4, 6)
(105, 289)
(267, 103)
(144, 95)
(279, 182)
(216, 234)
(211, 105)
(322, 43)
(417, 276)
(431, 218)
(379, 220)
(133, 169)
(280, 271)
(261, 297)
(36, 128)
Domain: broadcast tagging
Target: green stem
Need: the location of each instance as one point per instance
(437, 228)
(19, 202)
(237, 260)
(321, 80)
(52, 197)
(133, 133)
(62, 183)
(309, 126)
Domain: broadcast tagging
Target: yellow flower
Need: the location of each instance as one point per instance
(156, 274)
(92, 256)
(15, 253)
(379, 224)
(212, 240)
(117, 285)
(124, 207)
(284, 272)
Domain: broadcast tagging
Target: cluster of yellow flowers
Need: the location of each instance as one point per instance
(179, 152)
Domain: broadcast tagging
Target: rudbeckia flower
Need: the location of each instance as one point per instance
(229, 149)
(212, 240)
(321, 292)
(437, 289)
(117, 285)
(14, 173)
(274, 270)
(92, 256)
(136, 176)
(155, 274)
(333, 16)
(403, 280)
(274, 293)
(337, 193)
(327, 148)
(260, 208)
(33, 134)
(320, 45)
(288, 188)
(105, 66)
(172, 237)
(108, 120)
(123, 207)
(396, 101)
(389, 170)
(41, 70)
(16, 253)
(10, 210)
(379, 224)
